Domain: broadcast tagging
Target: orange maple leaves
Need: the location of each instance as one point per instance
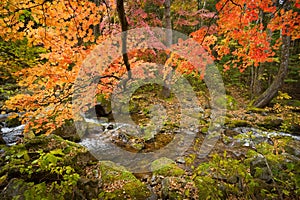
(247, 27)
(65, 29)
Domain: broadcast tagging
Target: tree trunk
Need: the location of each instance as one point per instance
(124, 26)
(256, 83)
(265, 98)
(96, 28)
(168, 24)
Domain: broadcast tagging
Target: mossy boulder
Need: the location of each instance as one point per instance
(271, 122)
(53, 168)
(293, 148)
(166, 167)
(119, 183)
(68, 132)
(20, 189)
(255, 110)
(233, 123)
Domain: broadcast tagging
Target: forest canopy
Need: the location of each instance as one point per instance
(255, 37)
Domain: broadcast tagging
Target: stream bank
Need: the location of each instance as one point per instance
(256, 157)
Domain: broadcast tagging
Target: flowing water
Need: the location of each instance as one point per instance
(116, 138)
(12, 135)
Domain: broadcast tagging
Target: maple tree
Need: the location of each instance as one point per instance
(68, 31)
(65, 30)
(247, 29)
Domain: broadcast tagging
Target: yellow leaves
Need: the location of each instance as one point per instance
(19, 102)
(283, 95)
(30, 24)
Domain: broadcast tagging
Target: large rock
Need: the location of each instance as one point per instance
(68, 131)
(293, 148)
(166, 167)
(118, 183)
(259, 168)
(271, 123)
(49, 167)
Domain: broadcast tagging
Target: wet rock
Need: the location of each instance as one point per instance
(154, 180)
(180, 160)
(95, 128)
(12, 135)
(2, 141)
(264, 114)
(110, 127)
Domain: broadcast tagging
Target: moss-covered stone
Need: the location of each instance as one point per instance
(15, 189)
(119, 183)
(236, 123)
(271, 122)
(255, 110)
(68, 132)
(166, 167)
(53, 168)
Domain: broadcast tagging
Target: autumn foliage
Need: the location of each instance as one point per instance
(69, 30)
(247, 28)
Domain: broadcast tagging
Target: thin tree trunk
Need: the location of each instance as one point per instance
(265, 98)
(168, 25)
(96, 28)
(124, 26)
(168, 22)
(256, 83)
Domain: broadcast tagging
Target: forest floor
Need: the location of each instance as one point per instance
(268, 167)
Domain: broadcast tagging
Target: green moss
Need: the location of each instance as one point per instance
(178, 188)
(204, 129)
(120, 183)
(271, 122)
(236, 123)
(132, 190)
(166, 167)
(255, 110)
(68, 132)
